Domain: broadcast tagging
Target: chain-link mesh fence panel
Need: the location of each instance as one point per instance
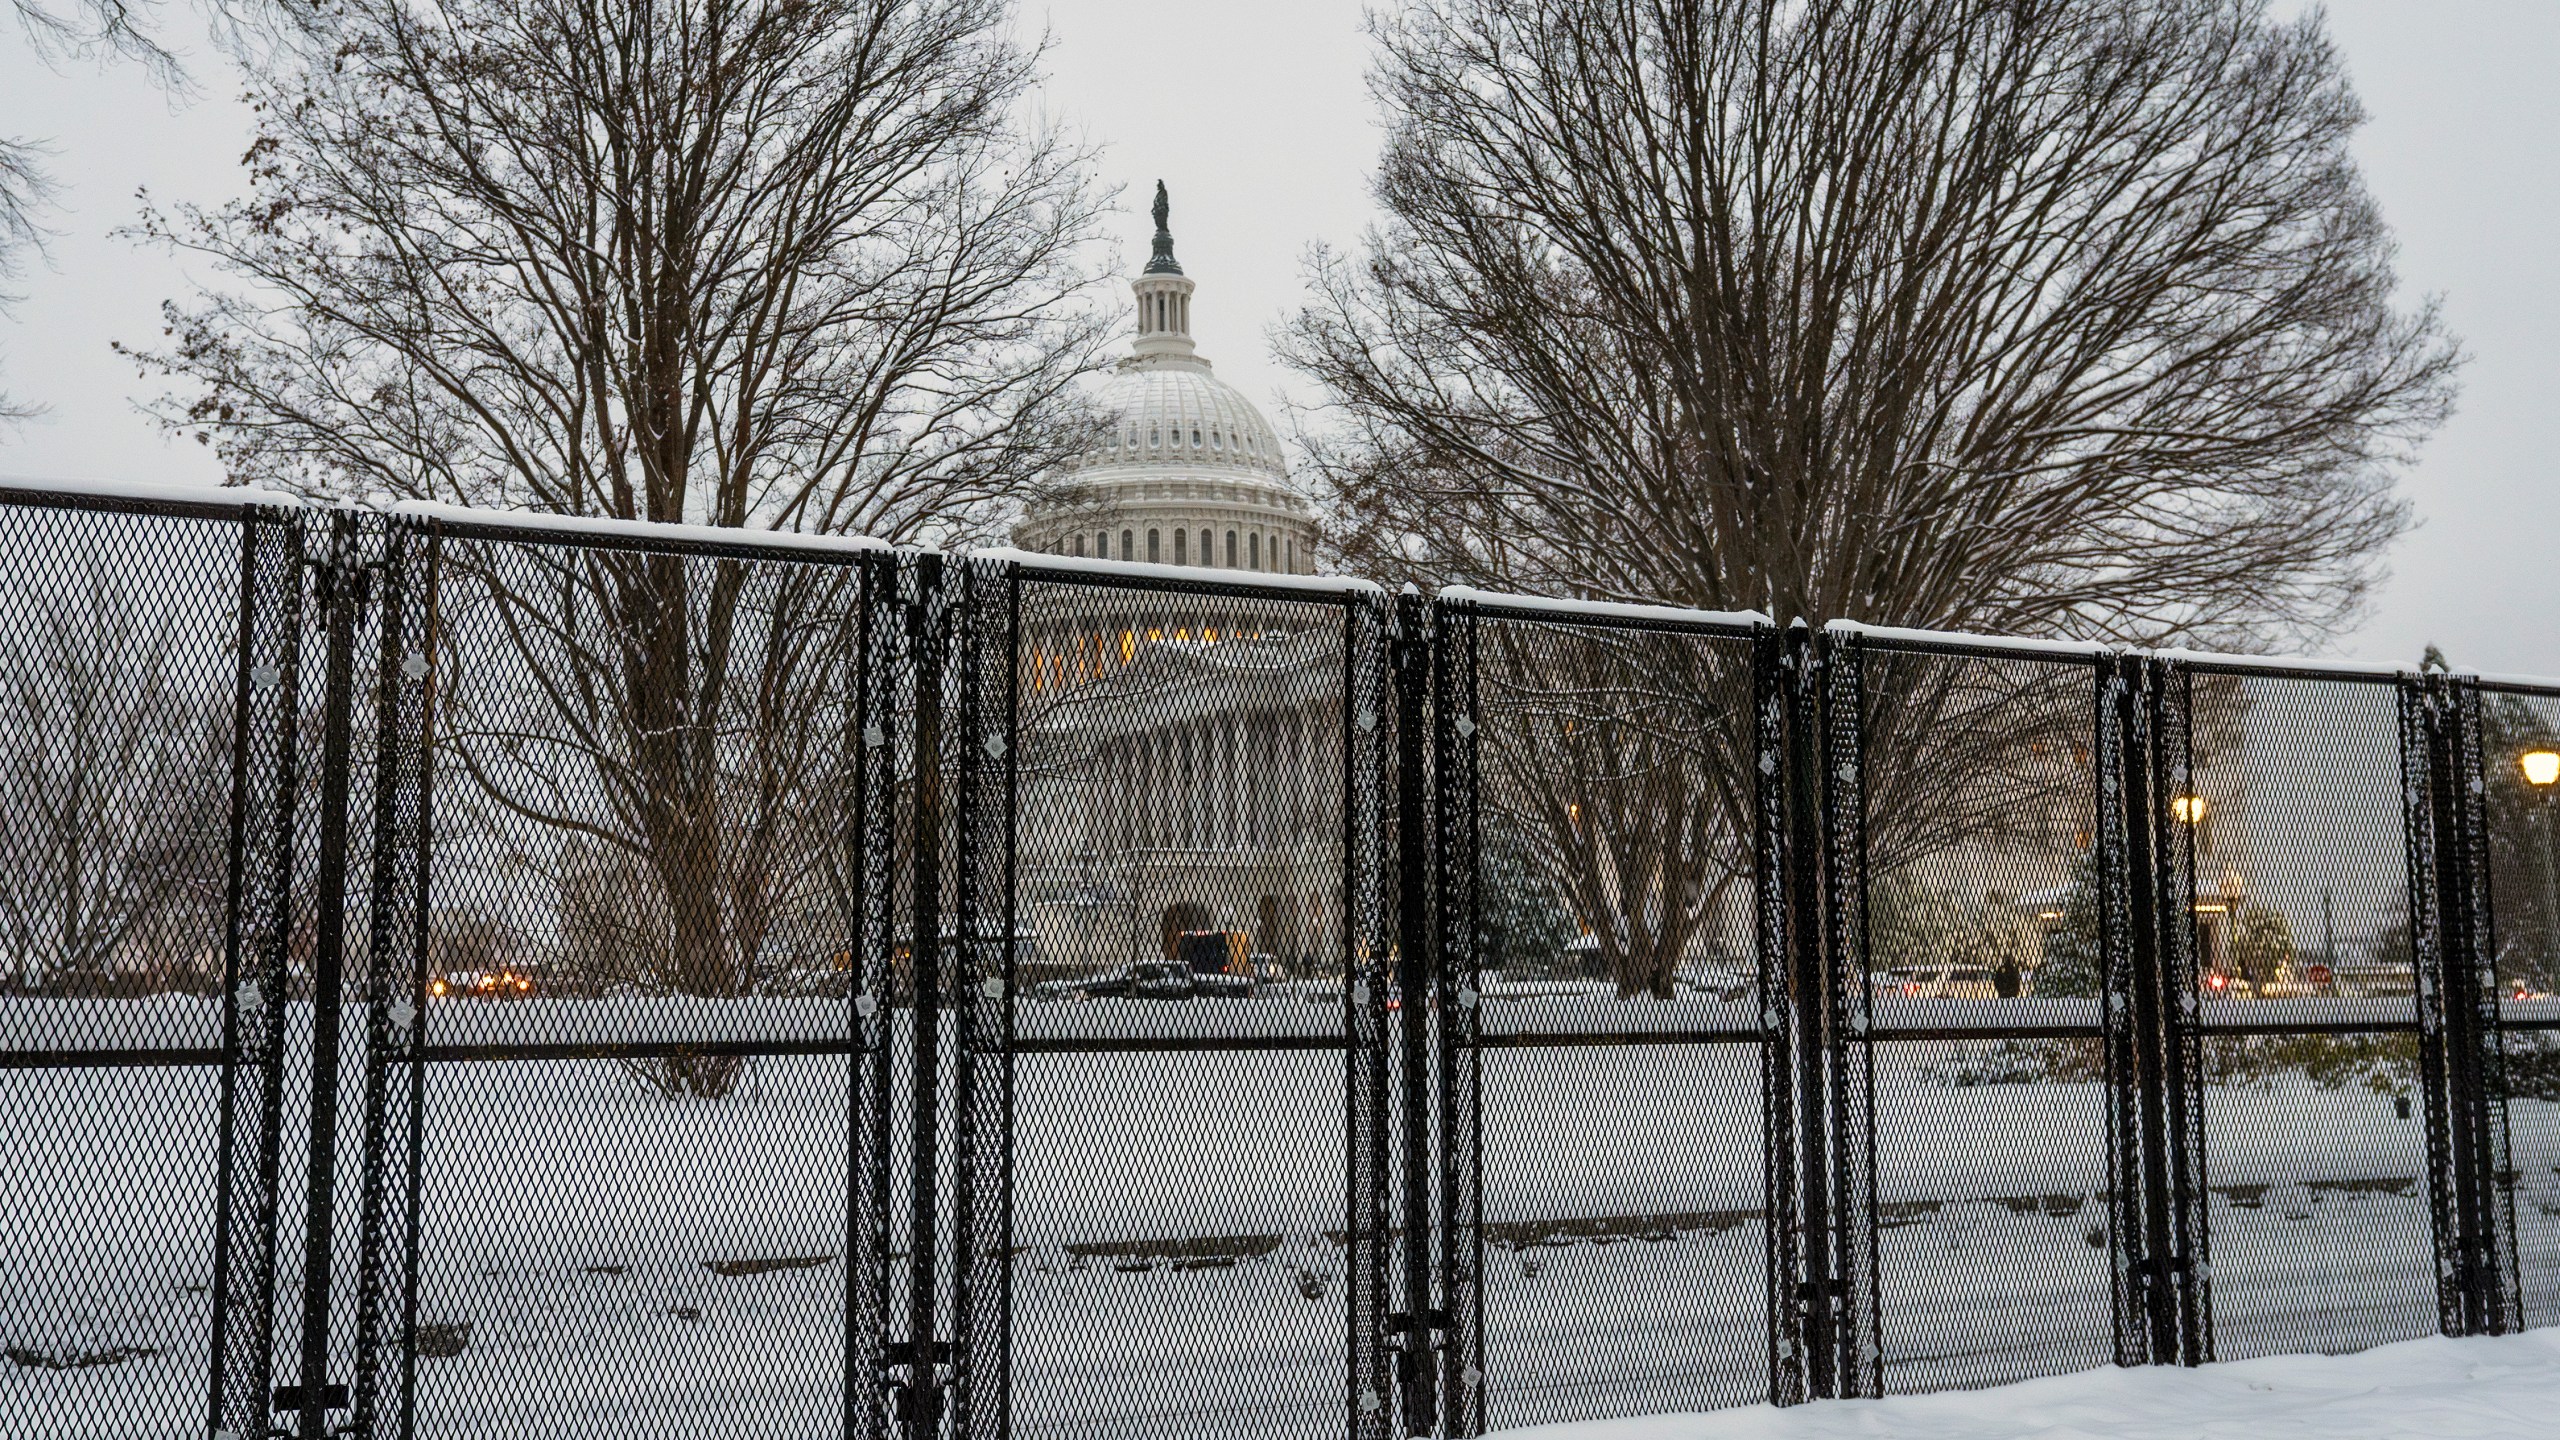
(650, 1173)
(121, 681)
(2292, 850)
(1192, 959)
(1985, 938)
(1608, 925)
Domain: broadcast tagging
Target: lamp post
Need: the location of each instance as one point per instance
(2541, 767)
(2188, 810)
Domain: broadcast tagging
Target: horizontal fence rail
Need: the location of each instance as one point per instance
(482, 974)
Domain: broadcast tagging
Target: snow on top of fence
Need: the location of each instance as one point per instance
(2520, 682)
(572, 527)
(2291, 665)
(1192, 574)
(37, 490)
(2009, 644)
(1602, 609)
(2086, 649)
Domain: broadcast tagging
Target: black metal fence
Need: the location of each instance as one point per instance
(480, 975)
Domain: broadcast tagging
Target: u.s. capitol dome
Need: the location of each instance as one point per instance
(1186, 471)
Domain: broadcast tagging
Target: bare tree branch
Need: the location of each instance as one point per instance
(2068, 317)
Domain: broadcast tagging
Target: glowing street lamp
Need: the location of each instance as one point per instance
(2541, 766)
(2190, 808)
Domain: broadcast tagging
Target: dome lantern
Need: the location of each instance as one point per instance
(1164, 295)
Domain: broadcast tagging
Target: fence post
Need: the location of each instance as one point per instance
(922, 1354)
(264, 783)
(1847, 1016)
(1368, 1212)
(2167, 765)
(396, 989)
(879, 658)
(1809, 1145)
(2422, 779)
(342, 583)
(2497, 1291)
(2458, 1039)
(987, 624)
(1419, 1322)
(2126, 1022)
(2151, 1244)
(1774, 979)
(1455, 820)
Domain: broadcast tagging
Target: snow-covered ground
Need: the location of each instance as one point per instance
(1177, 1223)
(2508, 1387)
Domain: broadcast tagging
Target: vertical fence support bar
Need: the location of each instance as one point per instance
(2122, 864)
(1458, 820)
(1367, 1212)
(395, 992)
(259, 931)
(988, 623)
(2496, 1282)
(342, 582)
(927, 618)
(872, 937)
(1848, 1009)
(2168, 765)
(2155, 1243)
(2465, 1099)
(2458, 994)
(1774, 978)
(1417, 1323)
(2421, 782)
(1817, 1288)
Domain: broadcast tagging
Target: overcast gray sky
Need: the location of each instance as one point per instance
(1256, 117)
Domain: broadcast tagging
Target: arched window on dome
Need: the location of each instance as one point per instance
(1155, 437)
(1231, 549)
(1177, 545)
(1079, 546)
(1128, 551)
(1155, 551)
(1215, 442)
(1256, 549)
(1293, 554)
(1195, 437)
(1208, 549)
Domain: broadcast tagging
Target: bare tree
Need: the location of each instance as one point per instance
(114, 824)
(2065, 317)
(1619, 767)
(782, 264)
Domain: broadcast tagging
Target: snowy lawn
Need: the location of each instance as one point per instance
(2442, 1389)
